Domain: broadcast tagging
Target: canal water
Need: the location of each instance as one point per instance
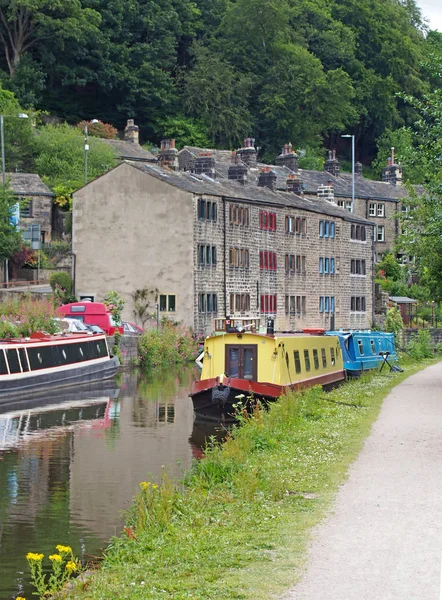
(71, 464)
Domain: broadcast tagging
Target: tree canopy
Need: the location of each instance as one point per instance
(292, 70)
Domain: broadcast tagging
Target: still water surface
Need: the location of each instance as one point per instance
(68, 469)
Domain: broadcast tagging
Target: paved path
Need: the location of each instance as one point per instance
(384, 539)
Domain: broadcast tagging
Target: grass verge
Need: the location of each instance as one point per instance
(239, 527)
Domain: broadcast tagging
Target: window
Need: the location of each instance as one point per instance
(315, 358)
(296, 225)
(295, 305)
(372, 209)
(357, 266)
(361, 347)
(357, 304)
(268, 303)
(207, 303)
(267, 260)
(332, 356)
(307, 360)
(206, 256)
(326, 304)
(295, 263)
(207, 211)
(324, 358)
(326, 229)
(380, 233)
(297, 359)
(239, 303)
(326, 265)
(239, 257)
(358, 233)
(167, 302)
(267, 220)
(239, 215)
(381, 210)
(26, 208)
(373, 347)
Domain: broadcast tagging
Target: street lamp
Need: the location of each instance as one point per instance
(2, 141)
(352, 169)
(86, 147)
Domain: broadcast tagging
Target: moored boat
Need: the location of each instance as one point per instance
(365, 350)
(259, 366)
(32, 366)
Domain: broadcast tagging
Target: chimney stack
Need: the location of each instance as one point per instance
(295, 185)
(237, 170)
(327, 192)
(392, 173)
(168, 155)
(358, 168)
(332, 163)
(288, 158)
(248, 153)
(267, 178)
(131, 132)
(204, 164)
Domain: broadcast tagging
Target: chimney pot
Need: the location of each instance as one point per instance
(267, 178)
(131, 132)
(168, 155)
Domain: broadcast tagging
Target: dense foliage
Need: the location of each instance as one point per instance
(21, 317)
(172, 343)
(218, 70)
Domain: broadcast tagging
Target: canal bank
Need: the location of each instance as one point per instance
(240, 527)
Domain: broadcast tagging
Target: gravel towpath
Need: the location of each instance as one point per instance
(383, 540)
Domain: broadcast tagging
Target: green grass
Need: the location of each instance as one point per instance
(239, 526)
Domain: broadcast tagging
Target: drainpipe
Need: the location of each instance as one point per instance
(73, 271)
(225, 258)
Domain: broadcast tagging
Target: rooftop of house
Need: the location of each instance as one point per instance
(130, 150)
(28, 184)
(203, 184)
(342, 183)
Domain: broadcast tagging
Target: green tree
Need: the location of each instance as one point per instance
(10, 238)
(17, 133)
(60, 156)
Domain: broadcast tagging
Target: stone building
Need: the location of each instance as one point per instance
(38, 208)
(218, 238)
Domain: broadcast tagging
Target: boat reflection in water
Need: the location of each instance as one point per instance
(92, 407)
(204, 433)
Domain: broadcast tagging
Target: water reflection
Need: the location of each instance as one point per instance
(70, 465)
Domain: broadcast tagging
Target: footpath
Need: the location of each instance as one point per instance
(383, 540)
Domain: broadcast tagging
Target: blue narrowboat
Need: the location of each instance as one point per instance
(364, 350)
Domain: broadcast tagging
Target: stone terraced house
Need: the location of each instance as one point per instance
(221, 236)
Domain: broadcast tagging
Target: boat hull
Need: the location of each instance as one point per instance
(215, 401)
(39, 384)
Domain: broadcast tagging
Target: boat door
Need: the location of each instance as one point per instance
(241, 361)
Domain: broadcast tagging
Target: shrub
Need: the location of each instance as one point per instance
(172, 343)
(21, 317)
(63, 279)
(393, 321)
(420, 346)
(99, 129)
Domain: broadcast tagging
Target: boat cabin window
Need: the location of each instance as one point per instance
(23, 359)
(332, 356)
(14, 363)
(3, 366)
(297, 361)
(324, 357)
(307, 360)
(45, 357)
(316, 358)
(373, 346)
(361, 347)
(241, 361)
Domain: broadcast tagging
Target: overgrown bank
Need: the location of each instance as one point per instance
(239, 526)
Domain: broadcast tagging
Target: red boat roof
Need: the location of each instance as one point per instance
(39, 336)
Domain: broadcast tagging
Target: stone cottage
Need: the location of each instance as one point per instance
(37, 210)
(219, 241)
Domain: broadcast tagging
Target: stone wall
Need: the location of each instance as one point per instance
(408, 334)
(128, 348)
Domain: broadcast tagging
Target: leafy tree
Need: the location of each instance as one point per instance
(10, 238)
(99, 129)
(17, 133)
(60, 157)
(186, 131)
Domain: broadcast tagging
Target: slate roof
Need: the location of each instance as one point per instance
(28, 184)
(130, 151)
(202, 184)
(402, 300)
(364, 188)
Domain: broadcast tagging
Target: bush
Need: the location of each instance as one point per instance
(172, 343)
(393, 321)
(27, 315)
(420, 346)
(62, 279)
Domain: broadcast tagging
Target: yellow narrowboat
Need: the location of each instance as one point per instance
(264, 367)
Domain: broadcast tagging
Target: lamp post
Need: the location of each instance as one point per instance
(2, 142)
(86, 148)
(352, 169)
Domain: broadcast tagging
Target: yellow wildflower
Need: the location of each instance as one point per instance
(154, 486)
(34, 556)
(64, 549)
(71, 566)
(55, 558)
(20, 598)
(144, 485)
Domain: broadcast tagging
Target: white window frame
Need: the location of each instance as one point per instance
(380, 233)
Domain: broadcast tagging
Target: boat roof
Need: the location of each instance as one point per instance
(39, 337)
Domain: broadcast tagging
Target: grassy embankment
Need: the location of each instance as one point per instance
(239, 526)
